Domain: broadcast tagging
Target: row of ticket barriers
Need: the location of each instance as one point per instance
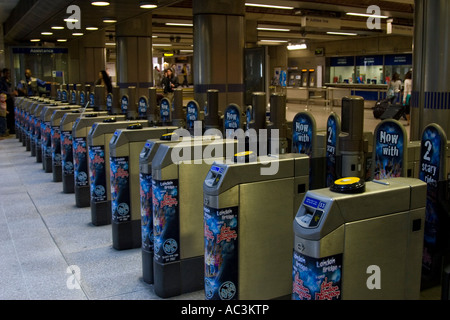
(246, 205)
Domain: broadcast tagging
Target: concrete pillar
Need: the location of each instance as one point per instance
(219, 39)
(134, 54)
(430, 101)
(87, 57)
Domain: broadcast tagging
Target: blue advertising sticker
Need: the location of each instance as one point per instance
(97, 173)
(429, 171)
(124, 104)
(46, 139)
(146, 211)
(142, 107)
(303, 132)
(92, 99)
(221, 253)
(232, 119)
(120, 189)
(80, 161)
(191, 114)
(166, 220)
(316, 279)
(67, 152)
(56, 146)
(109, 102)
(389, 151)
(164, 110)
(82, 99)
(333, 129)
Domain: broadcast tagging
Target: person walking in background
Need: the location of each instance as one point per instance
(169, 82)
(407, 96)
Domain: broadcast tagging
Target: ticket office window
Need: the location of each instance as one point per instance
(398, 63)
(369, 70)
(342, 70)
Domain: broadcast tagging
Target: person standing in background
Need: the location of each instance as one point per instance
(31, 86)
(3, 113)
(185, 75)
(104, 80)
(156, 77)
(6, 88)
(407, 96)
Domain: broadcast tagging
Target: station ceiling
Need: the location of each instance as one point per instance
(303, 21)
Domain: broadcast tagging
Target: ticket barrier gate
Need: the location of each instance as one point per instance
(99, 167)
(145, 178)
(46, 130)
(28, 116)
(177, 226)
(35, 131)
(80, 131)
(125, 147)
(248, 216)
(24, 112)
(24, 119)
(67, 164)
(55, 124)
(359, 240)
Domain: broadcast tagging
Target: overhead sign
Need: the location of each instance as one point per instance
(320, 22)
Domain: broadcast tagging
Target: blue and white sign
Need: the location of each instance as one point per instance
(389, 150)
(142, 106)
(124, 104)
(192, 108)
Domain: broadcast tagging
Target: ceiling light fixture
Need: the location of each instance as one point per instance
(273, 29)
(366, 15)
(179, 24)
(35, 40)
(268, 6)
(109, 20)
(91, 28)
(273, 41)
(46, 33)
(161, 45)
(100, 3)
(297, 46)
(57, 27)
(77, 34)
(148, 4)
(71, 20)
(342, 33)
(62, 40)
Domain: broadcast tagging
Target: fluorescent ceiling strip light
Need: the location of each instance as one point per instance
(297, 46)
(58, 28)
(342, 33)
(62, 40)
(268, 6)
(100, 3)
(179, 24)
(70, 20)
(45, 33)
(273, 29)
(273, 40)
(161, 45)
(366, 15)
